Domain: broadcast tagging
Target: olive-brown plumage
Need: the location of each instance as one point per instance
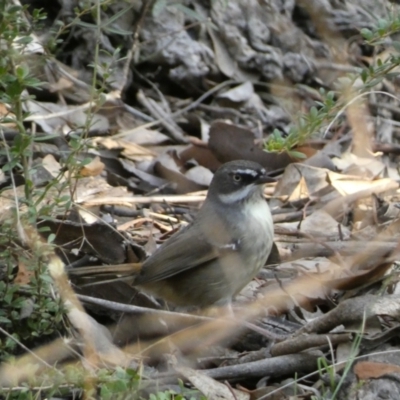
(213, 258)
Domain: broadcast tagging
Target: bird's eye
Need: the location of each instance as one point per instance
(237, 178)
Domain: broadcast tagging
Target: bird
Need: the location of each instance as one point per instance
(208, 262)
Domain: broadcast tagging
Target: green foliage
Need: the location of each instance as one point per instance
(184, 393)
(15, 78)
(377, 38)
(117, 384)
(86, 9)
(324, 369)
(324, 112)
(28, 311)
(308, 125)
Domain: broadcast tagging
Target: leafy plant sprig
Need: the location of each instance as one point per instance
(308, 125)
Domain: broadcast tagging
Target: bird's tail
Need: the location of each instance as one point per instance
(100, 274)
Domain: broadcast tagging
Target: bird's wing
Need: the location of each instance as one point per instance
(188, 249)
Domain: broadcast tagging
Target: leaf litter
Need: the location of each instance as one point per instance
(151, 150)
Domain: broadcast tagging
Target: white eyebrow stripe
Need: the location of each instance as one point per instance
(247, 172)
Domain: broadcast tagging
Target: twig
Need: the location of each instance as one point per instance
(354, 311)
(175, 132)
(337, 67)
(146, 5)
(349, 248)
(231, 390)
(290, 216)
(273, 367)
(300, 343)
(143, 199)
(131, 309)
(194, 104)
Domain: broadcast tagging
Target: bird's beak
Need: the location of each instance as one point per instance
(264, 179)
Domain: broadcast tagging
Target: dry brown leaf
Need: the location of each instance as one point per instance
(314, 179)
(370, 370)
(52, 165)
(320, 225)
(202, 155)
(346, 185)
(62, 84)
(230, 142)
(94, 168)
(170, 167)
(5, 112)
(300, 192)
(200, 175)
(211, 388)
(130, 150)
(238, 94)
(52, 116)
(359, 279)
(24, 275)
(308, 151)
(144, 136)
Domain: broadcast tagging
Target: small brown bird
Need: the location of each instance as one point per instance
(209, 261)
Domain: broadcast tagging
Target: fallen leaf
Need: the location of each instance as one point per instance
(238, 94)
(370, 370)
(24, 275)
(229, 142)
(94, 168)
(212, 389)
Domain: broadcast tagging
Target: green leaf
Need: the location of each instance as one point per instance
(375, 81)
(383, 24)
(118, 386)
(313, 112)
(22, 71)
(396, 45)
(43, 229)
(297, 154)
(189, 12)
(158, 7)
(117, 15)
(24, 40)
(364, 75)
(277, 134)
(14, 10)
(105, 392)
(330, 95)
(85, 24)
(86, 161)
(117, 31)
(46, 278)
(43, 138)
(366, 34)
(4, 320)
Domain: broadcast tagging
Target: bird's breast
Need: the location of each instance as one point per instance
(259, 234)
